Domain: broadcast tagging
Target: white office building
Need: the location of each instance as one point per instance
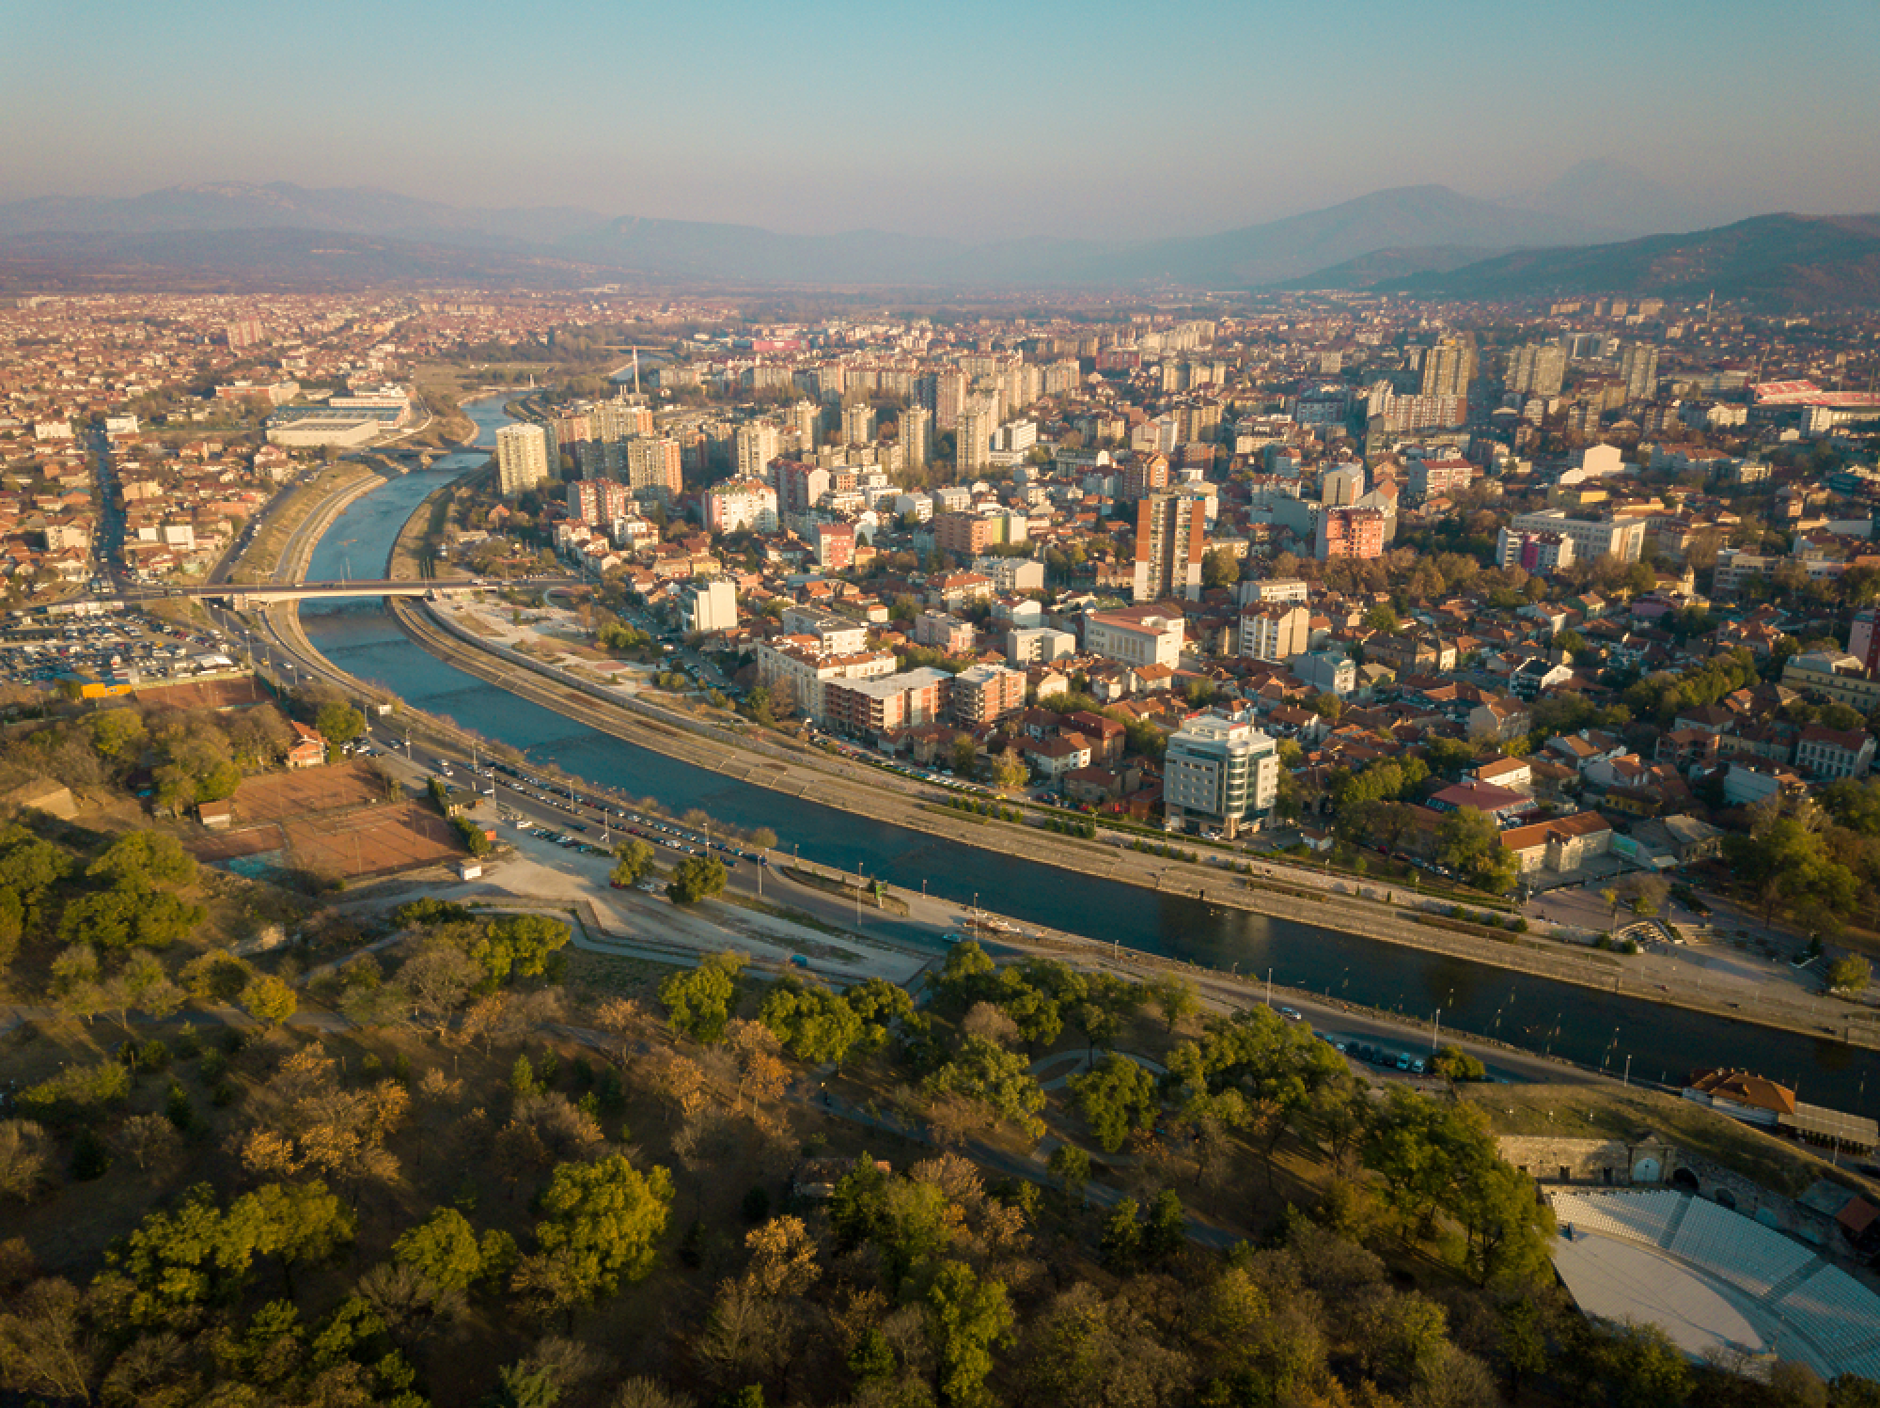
(1220, 772)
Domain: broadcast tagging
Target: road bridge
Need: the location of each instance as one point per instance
(242, 596)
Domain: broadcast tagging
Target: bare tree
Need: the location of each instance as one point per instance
(437, 980)
(25, 1158)
(147, 1141)
(986, 1020)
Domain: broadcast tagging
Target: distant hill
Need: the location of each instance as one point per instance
(1390, 265)
(238, 205)
(286, 259)
(1422, 239)
(1775, 262)
(1404, 219)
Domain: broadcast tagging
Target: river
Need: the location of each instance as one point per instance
(1664, 1043)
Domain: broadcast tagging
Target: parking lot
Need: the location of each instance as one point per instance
(120, 648)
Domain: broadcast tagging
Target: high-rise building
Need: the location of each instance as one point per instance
(598, 500)
(858, 424)
(916, 437)
(1538, 369)
(806, 422)
(1638, 364)
(653, 467)
(1863, 641)
(799, 485)
(949, 398)
(1220, 770)
(1170, 529)
(1350, 532)
(978, 421)
(758, 443)
(521, 458)
(1448, 367)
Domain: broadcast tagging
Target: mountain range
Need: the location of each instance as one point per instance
(1414, 239)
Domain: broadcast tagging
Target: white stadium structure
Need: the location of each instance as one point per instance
(1713, 1280)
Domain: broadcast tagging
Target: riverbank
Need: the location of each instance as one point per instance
(1357, 914)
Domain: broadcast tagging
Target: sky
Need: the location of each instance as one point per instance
(968, 119)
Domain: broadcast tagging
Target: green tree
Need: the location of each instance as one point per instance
(698, 1001)
(519, 945)
(1455, 1065)
(998, 1080)
(1173, 996)
(813, 1024)
(1643, 1367)
(443, 1249)
(141, 859)
(603, 1221)
(968, 1320)
(1117, 1098)
(696, 878)
(635, 862)
(269, 1000)
(1120, 1244)
(1468, 840)
(1509, 1230)
(1008, 772)
(339, 722)
(1850, 973)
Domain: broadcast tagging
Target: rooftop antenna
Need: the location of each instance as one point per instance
(636, 371)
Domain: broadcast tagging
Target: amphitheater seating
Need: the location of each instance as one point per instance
(1632, 1217)
(1836, 1314)
(1834, 1310)
(1736, 1249)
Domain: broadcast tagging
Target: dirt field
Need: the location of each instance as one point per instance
(329, 821)
(355, 844)
(284, 796)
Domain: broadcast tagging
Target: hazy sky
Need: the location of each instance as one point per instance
(965, 118)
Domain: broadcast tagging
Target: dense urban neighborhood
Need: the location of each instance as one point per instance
(392, 1060)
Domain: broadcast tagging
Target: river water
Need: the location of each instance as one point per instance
(1663, 1042)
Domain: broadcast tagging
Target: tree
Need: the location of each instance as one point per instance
(437, 979)
(698, 1002)
(1468, 840)
(967, 1320)
(1850, 974)
(519, 944)
(965, 755)
(269, 1000)
(1455, 1065)
(1118, 1098)
(141, 859)
(603, 1221)
(25, 1159)
(339, 722)
(1009, 772)
(1173, 996)
(443, 1249)
(1071, 1167)
(696, 878)
(1220, 568)
(814, 1024)
(635, 859)
(998, 1081)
